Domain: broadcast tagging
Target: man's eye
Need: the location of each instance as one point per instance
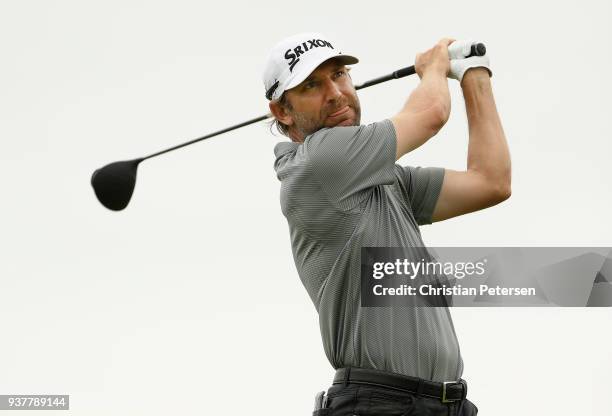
(340, 73)
(309, 85)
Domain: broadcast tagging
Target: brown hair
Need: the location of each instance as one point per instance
(282, 128)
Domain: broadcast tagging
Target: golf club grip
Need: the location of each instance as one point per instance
(478, 49)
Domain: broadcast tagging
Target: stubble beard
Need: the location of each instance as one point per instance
(306, 125)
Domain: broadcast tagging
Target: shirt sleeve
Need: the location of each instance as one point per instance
(423, 186)
(348, 161)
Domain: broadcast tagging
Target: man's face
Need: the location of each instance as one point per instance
(327, 98)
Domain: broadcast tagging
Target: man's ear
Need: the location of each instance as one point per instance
(280, 113)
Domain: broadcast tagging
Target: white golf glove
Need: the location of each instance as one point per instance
(459, 64)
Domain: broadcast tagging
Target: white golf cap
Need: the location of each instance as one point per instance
(293, 59)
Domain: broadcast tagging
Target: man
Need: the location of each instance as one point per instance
(342, 190)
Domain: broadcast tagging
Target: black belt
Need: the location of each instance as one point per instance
(447, 391)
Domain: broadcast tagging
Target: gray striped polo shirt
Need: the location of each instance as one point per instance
(342, 190)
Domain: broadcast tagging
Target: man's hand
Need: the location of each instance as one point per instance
(459, 64)
(436, 59)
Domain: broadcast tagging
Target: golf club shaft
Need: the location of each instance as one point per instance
(478, 49)
(225, 130)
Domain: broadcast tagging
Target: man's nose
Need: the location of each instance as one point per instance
(332, 90)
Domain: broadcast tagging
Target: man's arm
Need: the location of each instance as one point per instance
(428, 106)
(486, 182)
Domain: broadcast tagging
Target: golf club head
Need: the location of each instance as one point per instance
(114, 183)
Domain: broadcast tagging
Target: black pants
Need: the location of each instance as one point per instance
(365, 400)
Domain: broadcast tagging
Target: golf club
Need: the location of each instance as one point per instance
(114, 183)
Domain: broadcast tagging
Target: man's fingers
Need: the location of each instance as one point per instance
(446, 41)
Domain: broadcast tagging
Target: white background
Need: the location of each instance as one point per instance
(188, 302)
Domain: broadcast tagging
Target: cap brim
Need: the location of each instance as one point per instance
(345, 59)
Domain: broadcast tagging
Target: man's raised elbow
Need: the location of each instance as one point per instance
(501, 192)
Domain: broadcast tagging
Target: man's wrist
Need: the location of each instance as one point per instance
(436, 71)
(475, 76)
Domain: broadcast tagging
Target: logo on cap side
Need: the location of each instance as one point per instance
(292, 55)
(270, 91)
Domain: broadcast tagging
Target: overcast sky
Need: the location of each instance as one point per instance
(188, 302)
